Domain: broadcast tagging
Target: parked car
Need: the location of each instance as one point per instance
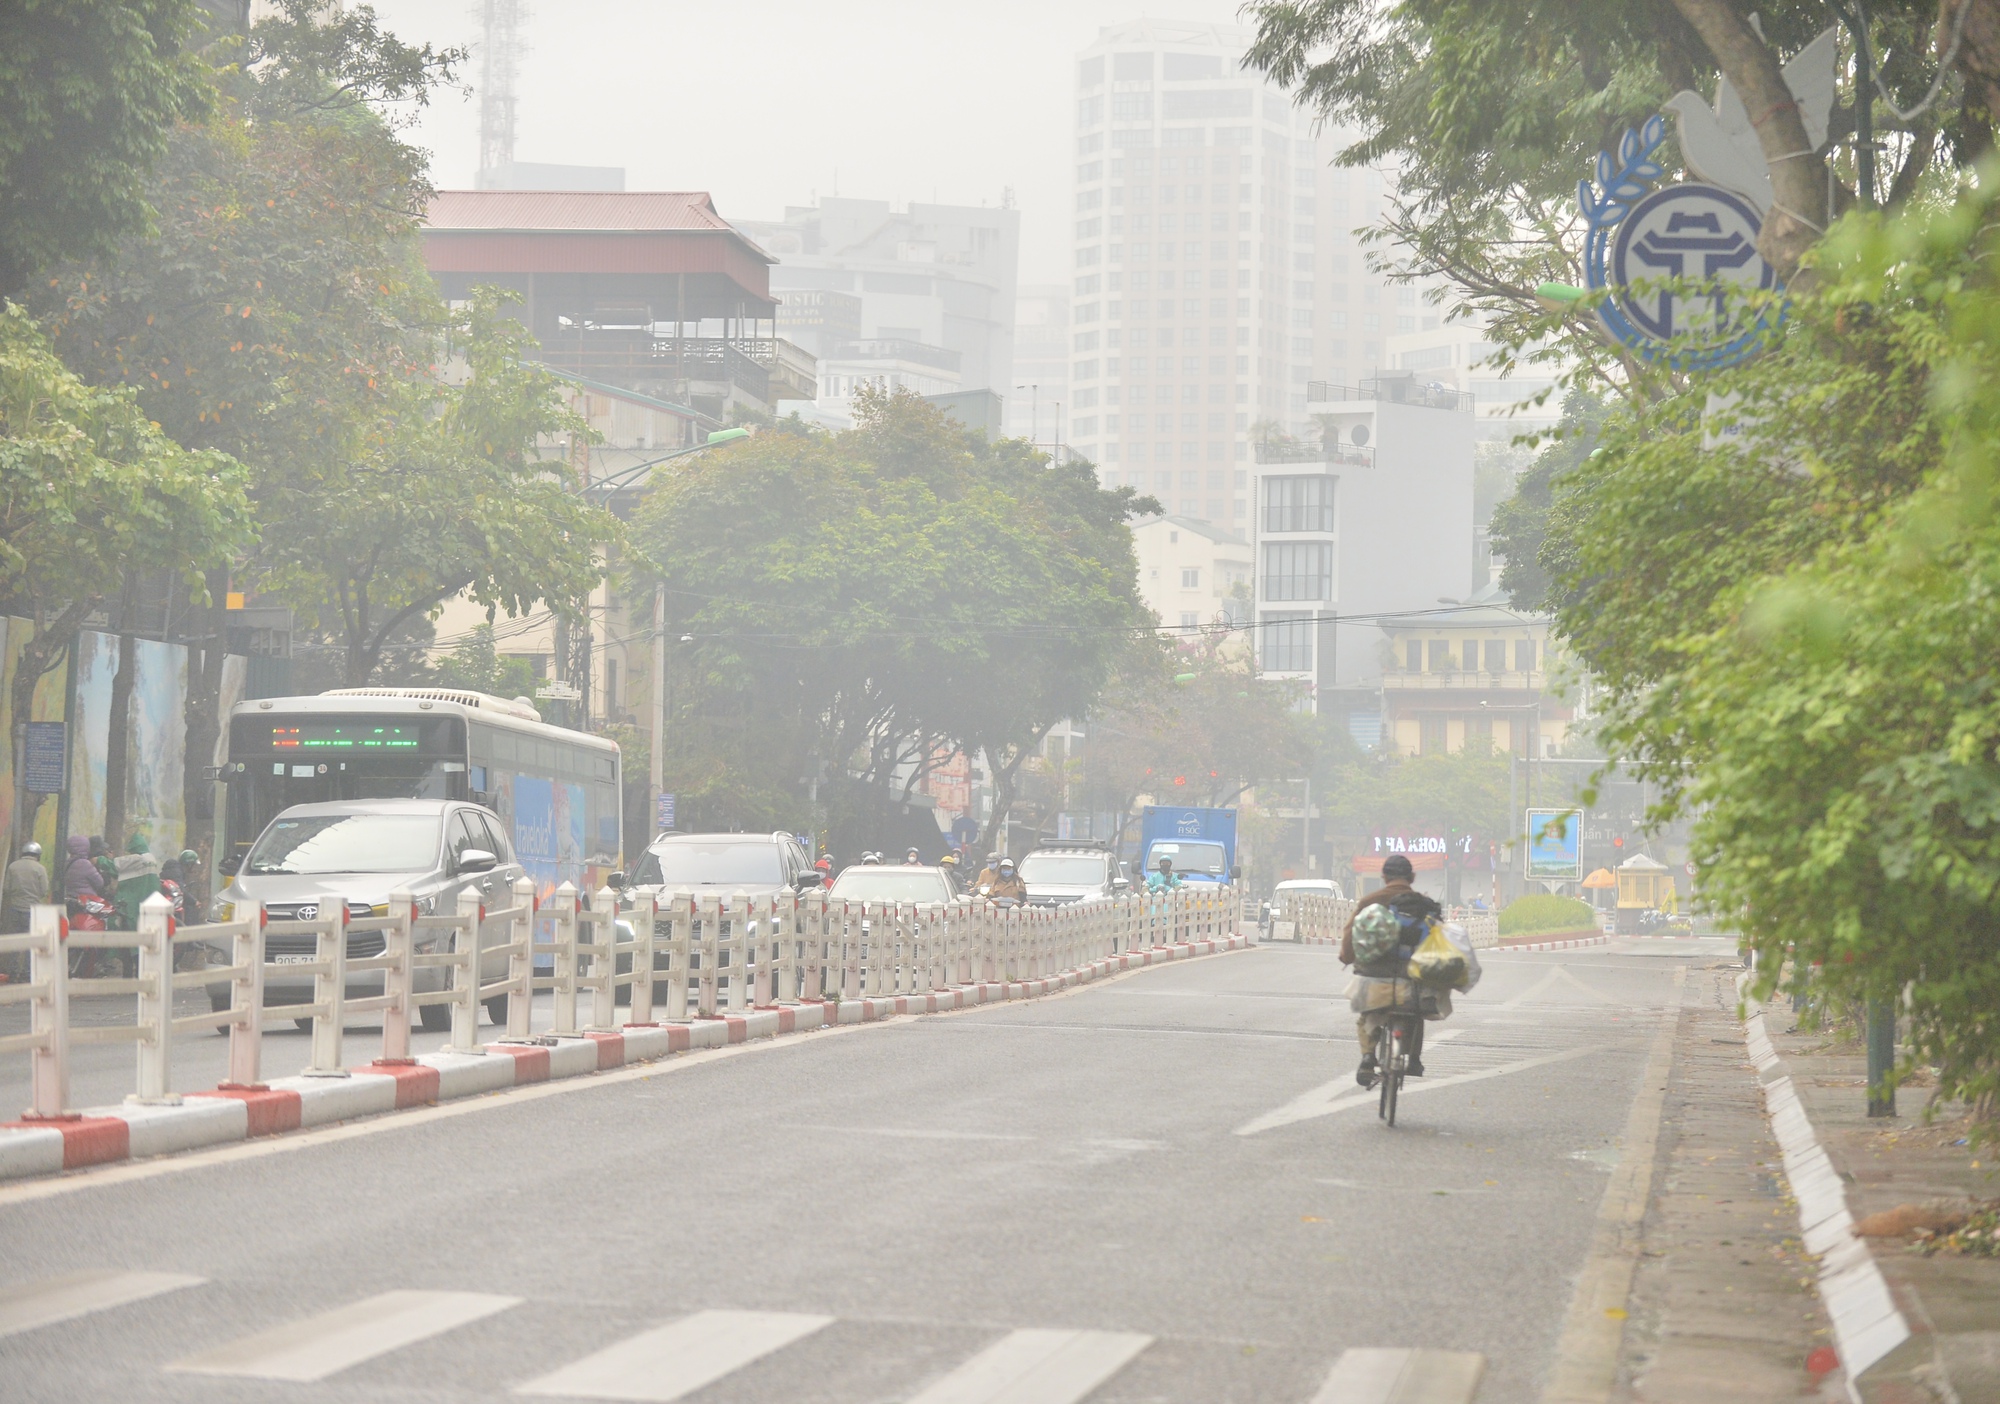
(1318, 887)
(358, 852)
(1060, 873)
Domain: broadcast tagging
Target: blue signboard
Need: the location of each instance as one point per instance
(1555, 844)
(43, 771)
(666, 819)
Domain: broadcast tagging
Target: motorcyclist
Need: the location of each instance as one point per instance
(26, 884)
(913, 858)
(1006, 883)
(871, 860)
(1163, 877)
(1398, 892)
(990, 873)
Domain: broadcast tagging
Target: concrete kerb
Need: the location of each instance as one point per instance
(133, 1130)
(1867, 1325)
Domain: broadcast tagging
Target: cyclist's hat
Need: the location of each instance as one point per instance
(1396, 868)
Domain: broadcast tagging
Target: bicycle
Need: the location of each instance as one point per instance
(1395, 1032)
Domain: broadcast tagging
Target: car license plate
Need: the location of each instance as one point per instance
(293, 959)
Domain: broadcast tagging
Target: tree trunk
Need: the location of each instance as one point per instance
(1798, 216)
(203, 717)
(118, 734)
(39, 656)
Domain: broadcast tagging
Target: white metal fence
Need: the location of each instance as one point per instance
(709, 955)
(1315, 917)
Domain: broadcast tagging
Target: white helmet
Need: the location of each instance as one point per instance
(31, 849)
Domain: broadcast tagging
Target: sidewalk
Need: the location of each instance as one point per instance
(1951, 1301)
(1723, 1306)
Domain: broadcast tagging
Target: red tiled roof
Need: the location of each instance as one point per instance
(622, 211)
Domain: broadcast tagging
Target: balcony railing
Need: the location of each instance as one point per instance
(626, 359)
(1516, 681)
(1400, 390)
(1348, 455)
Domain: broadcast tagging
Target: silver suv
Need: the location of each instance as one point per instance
(1059, 874)
(358, 852)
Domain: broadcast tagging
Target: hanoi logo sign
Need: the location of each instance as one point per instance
(1678, 266)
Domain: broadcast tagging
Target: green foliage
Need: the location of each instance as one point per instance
(89, 91)
(1796, 634)
(89, 487)
(859, 600)
(476, 663)
(1221, 731)
(1490, 110)
(1544, 911)
(1465, 791)
(1520, 524)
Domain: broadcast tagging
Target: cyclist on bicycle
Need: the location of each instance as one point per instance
(1398, 892)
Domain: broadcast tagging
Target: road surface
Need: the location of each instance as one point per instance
(1162, 1188)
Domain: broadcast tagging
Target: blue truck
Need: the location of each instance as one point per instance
(1201, 842)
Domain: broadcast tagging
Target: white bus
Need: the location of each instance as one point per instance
(557, 790)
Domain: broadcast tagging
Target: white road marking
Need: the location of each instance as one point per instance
(31, 1304)
(923, 1133)
(337, 1340)
(1367, 1375)
(1341, 1093)
(1037, 1367)
(677, 1359)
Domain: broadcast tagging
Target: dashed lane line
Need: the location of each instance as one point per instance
(1373, 1375)
(31, 1304)
(323, 1345)
(1037, 1367)
(673, 1361)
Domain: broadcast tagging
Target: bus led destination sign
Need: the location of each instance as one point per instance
(343, 738)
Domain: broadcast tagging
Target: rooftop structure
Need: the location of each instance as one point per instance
(649, 290)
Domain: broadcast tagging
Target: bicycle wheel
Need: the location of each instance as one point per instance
(1392, 1073)
(1385, 1073)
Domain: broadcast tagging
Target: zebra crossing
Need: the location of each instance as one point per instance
(679, 1359)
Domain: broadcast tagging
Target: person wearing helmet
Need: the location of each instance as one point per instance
(1006, 883)
(25, 885)
(1163, 876)
(1398, 892)
(912, 857)
(989, 874)
(871, 860)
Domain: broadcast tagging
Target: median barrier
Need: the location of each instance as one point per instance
(720, 970)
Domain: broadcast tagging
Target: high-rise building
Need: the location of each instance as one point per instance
(931, 288)
(1216, 272)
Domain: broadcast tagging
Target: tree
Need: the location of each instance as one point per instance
(90, 91)
(441, 496)
(1520, 525)
(858, 603)
(87, 487)
(1490, 110)
(281, 314)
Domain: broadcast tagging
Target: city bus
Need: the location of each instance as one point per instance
(556, 790)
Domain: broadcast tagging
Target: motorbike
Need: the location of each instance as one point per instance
(91, 914)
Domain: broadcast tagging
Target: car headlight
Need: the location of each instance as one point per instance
(424, 905)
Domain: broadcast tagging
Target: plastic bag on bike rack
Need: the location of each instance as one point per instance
(1438, 962)
(1461, 938)
(1366, 993)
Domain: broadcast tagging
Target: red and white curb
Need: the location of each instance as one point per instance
(127, 1132)
(1547, 945)
(1866, 1322)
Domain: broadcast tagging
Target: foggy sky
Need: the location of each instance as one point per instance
(762, 104)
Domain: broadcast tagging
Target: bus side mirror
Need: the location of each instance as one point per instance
(1236, 873)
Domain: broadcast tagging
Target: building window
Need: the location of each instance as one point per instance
(1431, 736)
(1472, 655)
(1191, 577)
(1413, 655)
(1298, 570)
(1524, 656)
(1125, 107)
(1440, 655)
(1302, 503)
(1287, 643)
(1496, 655)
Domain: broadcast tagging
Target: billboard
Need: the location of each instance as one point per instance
(1555, 844)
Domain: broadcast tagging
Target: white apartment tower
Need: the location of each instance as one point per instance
(1216, 273)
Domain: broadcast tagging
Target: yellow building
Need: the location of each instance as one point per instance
(1476, 675)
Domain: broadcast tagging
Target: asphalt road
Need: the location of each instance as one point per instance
(1158, 1187)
